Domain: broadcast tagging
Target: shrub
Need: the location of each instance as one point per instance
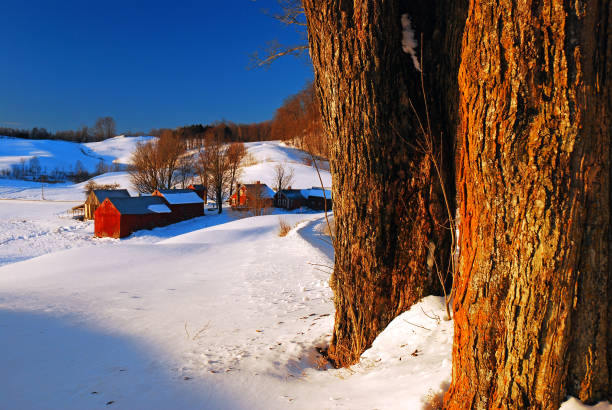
(283, 227)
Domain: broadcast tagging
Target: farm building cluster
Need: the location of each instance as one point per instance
(117, 214)
(260, 195)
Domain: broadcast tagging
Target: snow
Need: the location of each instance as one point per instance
(160, 209)
(119, 148)
(409, 44)
(63, 155)
(214, 312)
(574, 404)
(271, 153)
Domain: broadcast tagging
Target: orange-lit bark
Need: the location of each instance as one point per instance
(533, 300)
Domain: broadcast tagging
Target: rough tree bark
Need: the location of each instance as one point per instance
(388, 208)
(533, 300)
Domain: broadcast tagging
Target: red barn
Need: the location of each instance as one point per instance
(184, 203)
(119, 217)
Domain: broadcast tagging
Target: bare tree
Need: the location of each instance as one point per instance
(213, 160)
(186, 169)
(155, 163)
(258, 201)
(291, 14)
(235, 154)
(104, 128)
(283, 176)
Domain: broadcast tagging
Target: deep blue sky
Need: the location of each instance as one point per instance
(148, 64)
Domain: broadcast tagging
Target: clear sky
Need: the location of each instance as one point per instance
(149, 64)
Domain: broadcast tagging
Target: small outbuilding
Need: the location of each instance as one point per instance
(255, 195)
(289, 199)
(97, 196)
(119, 217)
(184, 203)
(317, 198)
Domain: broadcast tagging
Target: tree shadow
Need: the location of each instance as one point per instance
(58, 363)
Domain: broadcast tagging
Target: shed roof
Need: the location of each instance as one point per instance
(180, 196)
(265, 191)
(316, 192)
(291, 193)
(140, 205)
(102, 194)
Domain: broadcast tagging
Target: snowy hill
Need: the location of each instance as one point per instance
(266, 155)
(270, 153)
(63, 155)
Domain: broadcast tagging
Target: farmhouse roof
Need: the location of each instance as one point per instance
(180, 196)
(102, 194)
(265, 191)
(140, 205)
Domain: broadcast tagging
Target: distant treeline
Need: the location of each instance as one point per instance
(104, 128)
(225, 131)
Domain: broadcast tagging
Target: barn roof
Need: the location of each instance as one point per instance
(140, 205)
(198, 187)
(102, 194)
(316, 192)
(180, 196)
(265, 191)
(291, 193)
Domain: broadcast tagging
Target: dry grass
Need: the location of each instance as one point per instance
(283, 227)
(434, 401)
(330, 230)
(249, 160)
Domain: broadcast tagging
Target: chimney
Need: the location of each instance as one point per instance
(257, 182)
(289, 187)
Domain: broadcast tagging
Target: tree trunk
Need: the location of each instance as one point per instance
(533, 300)
(389, 210)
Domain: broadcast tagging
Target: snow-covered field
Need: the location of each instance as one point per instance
(271, 153)
(214, 312)
(64, 155)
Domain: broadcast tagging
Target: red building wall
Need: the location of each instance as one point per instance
(107, 221)
(182, 212)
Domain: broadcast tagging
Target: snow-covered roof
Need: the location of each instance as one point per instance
(316, 192)
(159, 209)
(292, 193)
(140, 205)
(181, 196)
(265, 191)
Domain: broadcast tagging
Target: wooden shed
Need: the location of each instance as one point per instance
(184, 203)
(289, 199)
(119, 217)
(97, 196)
